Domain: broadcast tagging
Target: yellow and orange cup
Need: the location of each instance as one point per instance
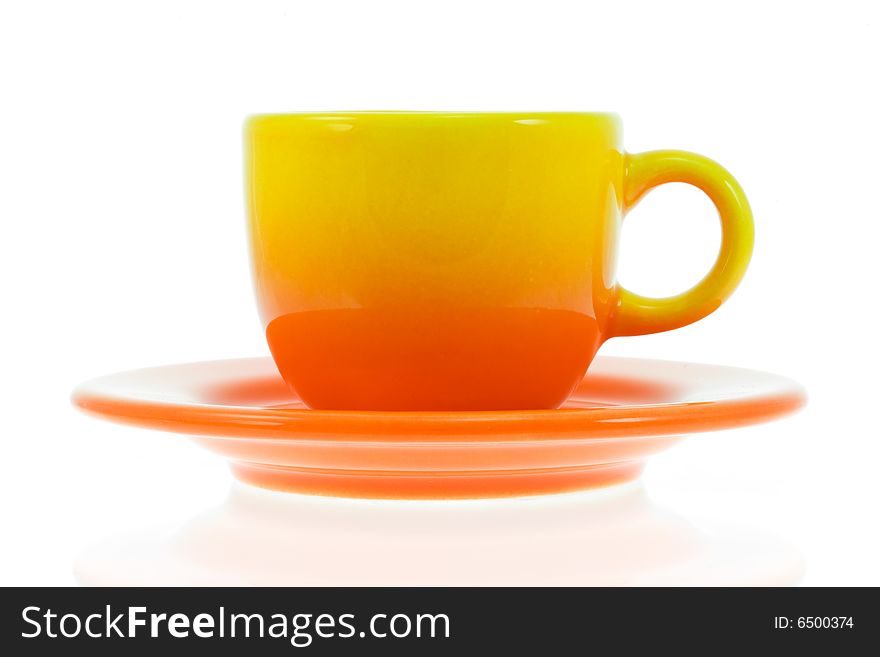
(421, 261)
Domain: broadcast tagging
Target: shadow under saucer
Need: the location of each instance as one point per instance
(613, 536)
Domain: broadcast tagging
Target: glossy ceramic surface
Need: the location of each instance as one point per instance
(455, 261)
(623, 411)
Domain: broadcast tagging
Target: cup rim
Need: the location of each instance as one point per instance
(505, 115)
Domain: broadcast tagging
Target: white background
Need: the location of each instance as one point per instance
(122, 226)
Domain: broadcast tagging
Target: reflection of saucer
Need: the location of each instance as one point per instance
(623, 411)
(611, 537)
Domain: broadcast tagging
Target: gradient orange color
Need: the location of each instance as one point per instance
(457, 261)
(414, 358)
(624, 411)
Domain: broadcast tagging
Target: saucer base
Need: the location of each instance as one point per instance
(435, 485)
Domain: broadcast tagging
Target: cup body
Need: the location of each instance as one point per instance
(434, 261)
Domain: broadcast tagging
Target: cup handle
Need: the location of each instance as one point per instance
(638, 315)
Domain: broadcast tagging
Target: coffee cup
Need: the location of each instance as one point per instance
(421, 261)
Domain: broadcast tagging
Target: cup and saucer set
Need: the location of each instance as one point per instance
(434, 289)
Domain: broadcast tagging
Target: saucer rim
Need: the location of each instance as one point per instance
(437, 427)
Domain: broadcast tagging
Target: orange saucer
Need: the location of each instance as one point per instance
(622, 412)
